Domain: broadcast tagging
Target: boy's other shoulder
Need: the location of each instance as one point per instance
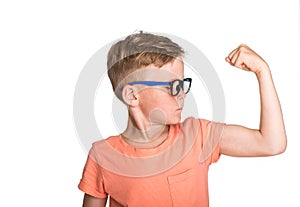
(202, 126)
(195, 122)
(193, 127)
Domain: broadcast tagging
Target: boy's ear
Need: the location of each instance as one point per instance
(129, 95)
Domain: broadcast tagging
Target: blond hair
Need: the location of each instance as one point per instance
(137, 51)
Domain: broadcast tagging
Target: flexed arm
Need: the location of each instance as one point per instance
(270, 138)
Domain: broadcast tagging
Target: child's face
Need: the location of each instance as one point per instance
(155, 102)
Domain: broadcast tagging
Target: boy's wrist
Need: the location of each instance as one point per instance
(263, 71)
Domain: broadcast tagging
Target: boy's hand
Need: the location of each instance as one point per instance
(244, 58)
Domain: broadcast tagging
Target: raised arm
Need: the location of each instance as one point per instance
(270, 138)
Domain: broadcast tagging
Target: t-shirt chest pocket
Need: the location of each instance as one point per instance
(183, 188)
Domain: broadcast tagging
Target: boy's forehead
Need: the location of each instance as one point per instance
(155, 74)
(170, 71)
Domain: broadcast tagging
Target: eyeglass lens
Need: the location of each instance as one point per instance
(177, 85)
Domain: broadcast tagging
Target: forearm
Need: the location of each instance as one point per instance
(272, 128)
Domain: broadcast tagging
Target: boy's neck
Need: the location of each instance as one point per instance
(146, 136)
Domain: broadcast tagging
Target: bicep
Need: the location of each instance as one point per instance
(90, 201)
(240, 141)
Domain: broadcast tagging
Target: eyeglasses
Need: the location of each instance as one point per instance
(174, 86)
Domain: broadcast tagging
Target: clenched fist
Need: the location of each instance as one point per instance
(245, 58)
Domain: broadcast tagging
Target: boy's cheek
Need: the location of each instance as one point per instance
(158, 115)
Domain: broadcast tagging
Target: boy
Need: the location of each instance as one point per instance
(158, 161)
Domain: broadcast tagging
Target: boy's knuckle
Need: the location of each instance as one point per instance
(243, 47)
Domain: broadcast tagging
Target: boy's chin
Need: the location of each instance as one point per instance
(174, 121)
(168, 121)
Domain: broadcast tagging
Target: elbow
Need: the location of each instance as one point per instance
(279, 148)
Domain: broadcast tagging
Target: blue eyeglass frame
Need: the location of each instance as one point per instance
(160, 83)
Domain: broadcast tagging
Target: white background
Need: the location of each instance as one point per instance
(45, 45)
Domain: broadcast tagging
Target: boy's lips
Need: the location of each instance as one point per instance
(180, 107)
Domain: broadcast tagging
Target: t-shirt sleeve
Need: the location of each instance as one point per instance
(210, 135)
(92, 179)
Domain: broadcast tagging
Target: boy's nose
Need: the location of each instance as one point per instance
(181, 94)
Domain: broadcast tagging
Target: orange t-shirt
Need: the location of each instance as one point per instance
(172, 174)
